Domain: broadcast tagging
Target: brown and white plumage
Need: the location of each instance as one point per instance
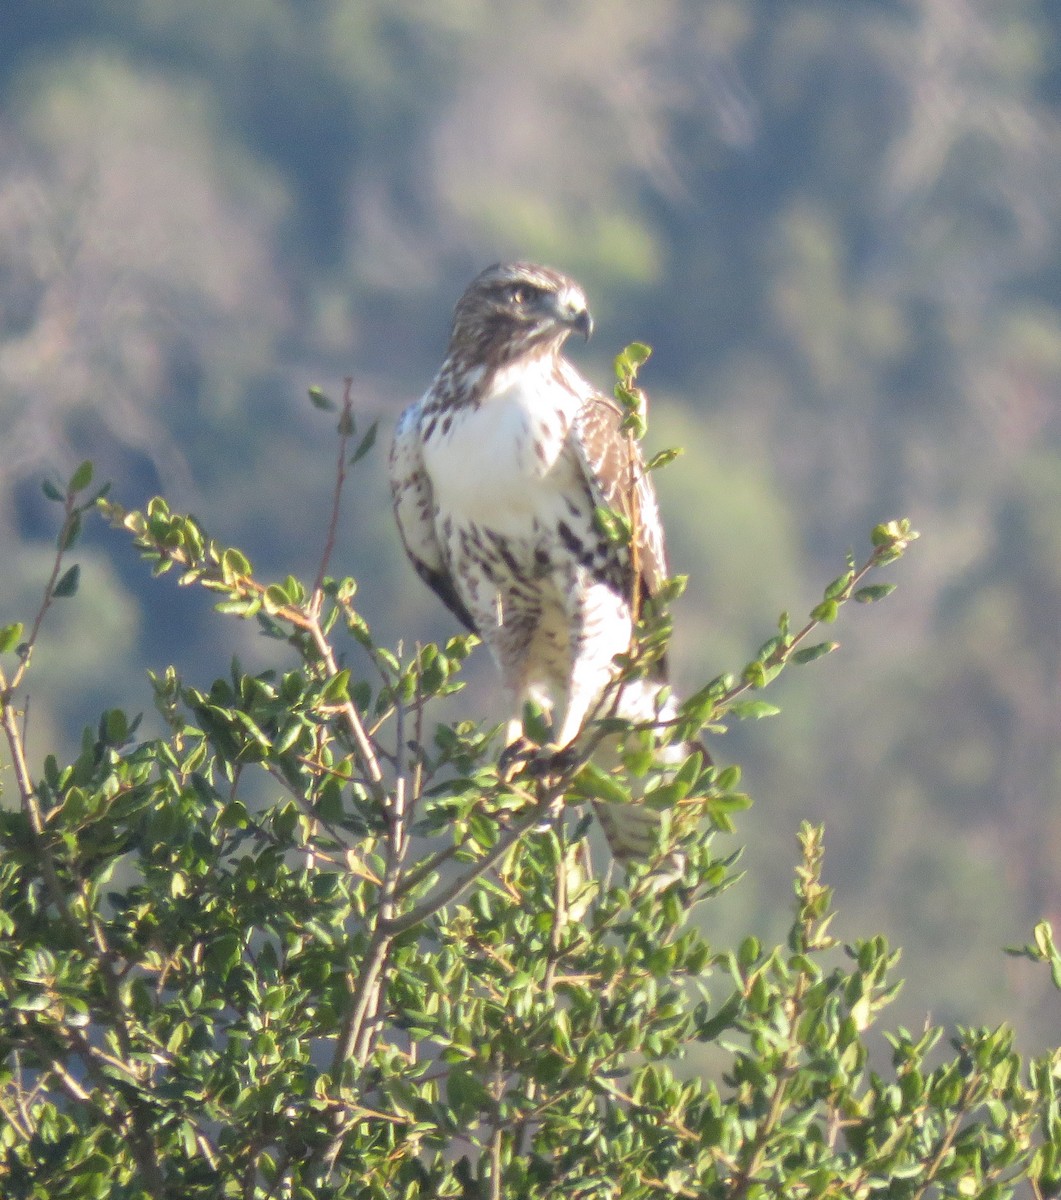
(496, 474)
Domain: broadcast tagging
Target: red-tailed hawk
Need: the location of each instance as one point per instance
(496, 474)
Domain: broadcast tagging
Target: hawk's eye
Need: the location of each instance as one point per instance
(523, 293)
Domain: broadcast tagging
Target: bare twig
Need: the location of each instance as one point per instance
(70, 514)
(365, 749)
(346, 426)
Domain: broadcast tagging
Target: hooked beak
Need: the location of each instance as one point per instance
(583, 323)
(569, 308)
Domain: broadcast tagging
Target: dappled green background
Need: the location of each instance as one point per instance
(836, 222)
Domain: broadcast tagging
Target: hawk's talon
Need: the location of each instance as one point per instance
(536, 762)
(514, 756)
(550, 760)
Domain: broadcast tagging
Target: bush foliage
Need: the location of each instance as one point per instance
(311, 943)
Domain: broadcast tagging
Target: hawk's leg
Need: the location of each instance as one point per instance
(602, 629)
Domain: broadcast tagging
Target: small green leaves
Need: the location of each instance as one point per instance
(614, 526)
(754, 674)
(892, 539)
(234, 565)
(10, 636)
(839, 586)
(630, 397)
(337, 689)
(630, 360)
(67, 583)
(319, 400)
(1044, 940)
(258, 934)
(664, 458)
(81, 478)
(1044, 950)
(596, 784)
(873, 592)
(811, 653)
(366, 443)
(751, 710)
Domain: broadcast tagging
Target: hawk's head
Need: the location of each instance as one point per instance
(512, 309)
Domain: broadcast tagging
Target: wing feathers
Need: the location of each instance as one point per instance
(414, 508)
(616, 472)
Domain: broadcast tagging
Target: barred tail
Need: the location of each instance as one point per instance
(631, 830)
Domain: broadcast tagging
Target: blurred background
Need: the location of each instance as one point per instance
(837, 223)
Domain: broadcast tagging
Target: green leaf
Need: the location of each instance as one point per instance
(728, 777)
(10, 636)
(876, 591)
(634, 423)
(234, 564)
(892, 539)
(337, 689)
(613, 525)
(52, 491)
(1044, 939)
(731, 802)
(82, 477)
(319, 400)
(250, 727)
(115, 725)
(755, 674)
(810, 653)
(599, 785)
(67, 584)
(669, 590)
(239, 608)
(366, 443)
(465, 1093)
(275, 598)
(825, 612)
(630, 359)
(699, 707)
(663, 458)
(724, 1018)
(772, 648)
(745, 710)
(839, 586)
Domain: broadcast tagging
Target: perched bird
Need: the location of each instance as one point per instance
(496, 475)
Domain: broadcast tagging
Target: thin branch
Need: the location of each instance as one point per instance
(346, 425)
(95, 950)
(452, 890)
(781, 655)
(932, 1167)
(365, 749)
(8, 689)
(32, 811)
(745, 1176)
(358, 1033)
(427, 866)
(24, 1131)
(495, 1163)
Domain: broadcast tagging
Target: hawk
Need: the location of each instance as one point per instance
(496, 476)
